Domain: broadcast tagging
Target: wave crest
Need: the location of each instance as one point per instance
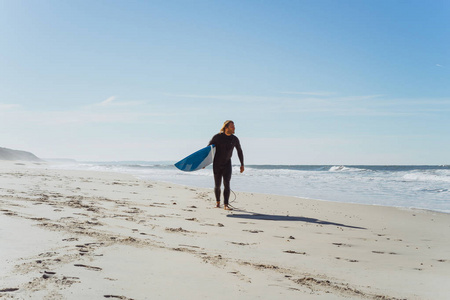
(345, 169)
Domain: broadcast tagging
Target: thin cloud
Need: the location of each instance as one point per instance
(440, 66)
(317, 94)
(8, 106)
(83, 117)
(108, 101)
(313, 98)
(234, 98)
(359, 98)
(333, 96)
(111, 101)
(193, 96)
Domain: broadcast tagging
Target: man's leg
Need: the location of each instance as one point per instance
(217, 184)
(226, 185)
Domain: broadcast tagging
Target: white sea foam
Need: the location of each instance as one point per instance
(345, 169)
(440, 175)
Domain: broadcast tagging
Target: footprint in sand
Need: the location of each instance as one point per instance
(177, 230)
(48, 274)
(240, 244)
(382, 252)
(88, 267)
(117, 297)
(48, 254)
(253, 231)
(83, 251)
(294, 252)
(349, 260)
(8, 290)
(342, 244)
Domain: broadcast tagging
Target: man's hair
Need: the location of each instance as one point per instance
(225, 125)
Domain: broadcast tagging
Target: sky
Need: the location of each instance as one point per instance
(306, 82)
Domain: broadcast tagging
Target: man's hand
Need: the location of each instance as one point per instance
(242, 169)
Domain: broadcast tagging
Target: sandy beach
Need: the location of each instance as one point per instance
(96, 235)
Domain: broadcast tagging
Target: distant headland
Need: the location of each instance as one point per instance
(10, 154)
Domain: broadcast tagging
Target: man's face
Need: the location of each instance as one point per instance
(231, 128)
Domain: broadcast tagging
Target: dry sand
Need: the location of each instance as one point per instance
(92, 235)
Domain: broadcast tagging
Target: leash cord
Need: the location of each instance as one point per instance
(234, 196)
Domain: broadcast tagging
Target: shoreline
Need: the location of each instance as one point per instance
(99, 234)
(409, 188)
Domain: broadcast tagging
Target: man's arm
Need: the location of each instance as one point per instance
(240, 154)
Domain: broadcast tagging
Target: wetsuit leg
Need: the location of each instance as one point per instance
(217, 183)
(226, 183)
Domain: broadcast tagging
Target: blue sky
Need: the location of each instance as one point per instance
(306, 82)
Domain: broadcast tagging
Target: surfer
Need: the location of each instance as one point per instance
(225, 142)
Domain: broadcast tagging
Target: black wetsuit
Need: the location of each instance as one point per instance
(222, 162)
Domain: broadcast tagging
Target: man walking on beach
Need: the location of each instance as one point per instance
(225, 142)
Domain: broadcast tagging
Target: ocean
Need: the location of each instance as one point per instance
(423, 187)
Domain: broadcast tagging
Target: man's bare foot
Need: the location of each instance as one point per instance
(226, 207)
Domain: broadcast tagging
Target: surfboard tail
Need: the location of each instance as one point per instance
(197, 160)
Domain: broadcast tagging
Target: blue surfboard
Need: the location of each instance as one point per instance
(197, 160)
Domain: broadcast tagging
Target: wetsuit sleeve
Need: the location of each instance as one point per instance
(239, 152)
(213, 140)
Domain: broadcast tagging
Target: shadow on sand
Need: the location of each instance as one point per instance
(257, 216)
